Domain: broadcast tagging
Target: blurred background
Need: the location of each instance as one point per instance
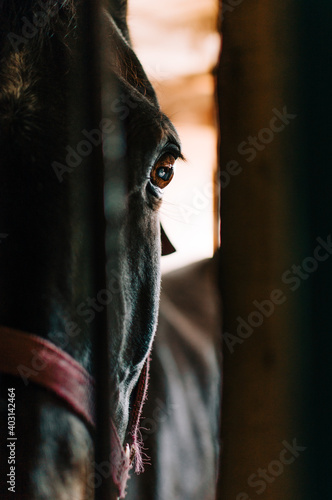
(276, 211)
(178, 44)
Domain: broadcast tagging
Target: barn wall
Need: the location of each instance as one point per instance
(275, 204)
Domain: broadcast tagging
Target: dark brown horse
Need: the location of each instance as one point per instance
(44, 258)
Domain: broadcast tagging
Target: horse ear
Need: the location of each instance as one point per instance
(118, 11)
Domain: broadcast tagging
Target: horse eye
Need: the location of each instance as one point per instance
(163, 171)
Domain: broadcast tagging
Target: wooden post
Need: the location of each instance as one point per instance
(274, 94)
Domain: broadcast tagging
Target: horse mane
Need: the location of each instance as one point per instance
(33, 42)
(14, 10)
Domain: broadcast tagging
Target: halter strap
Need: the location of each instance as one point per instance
(37, 360)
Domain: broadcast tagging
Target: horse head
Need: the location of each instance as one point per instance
(44, 245)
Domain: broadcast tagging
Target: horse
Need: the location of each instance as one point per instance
(180, 428)
(46, 312)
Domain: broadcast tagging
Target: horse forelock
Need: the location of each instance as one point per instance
(31, 23)
(34, 57)
(15, 9)
(31, 54)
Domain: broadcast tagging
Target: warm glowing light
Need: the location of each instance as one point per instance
(178, 45)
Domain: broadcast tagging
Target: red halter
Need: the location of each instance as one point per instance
(41, 362)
